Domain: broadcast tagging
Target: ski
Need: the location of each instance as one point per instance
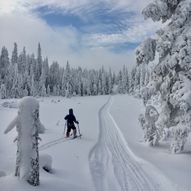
(77, 136)
(71, 138)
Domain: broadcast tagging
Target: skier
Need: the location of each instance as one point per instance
(70, 123)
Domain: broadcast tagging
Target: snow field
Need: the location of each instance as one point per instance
(115, 167)
(69, 158)
(176, 167)
(109, 156)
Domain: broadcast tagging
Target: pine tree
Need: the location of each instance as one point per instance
(67, 81)
(30, 75)
(120, 83)
(125, 81)
(132, 81)
(22, 62)
(14, 59)
(44, 78)
(54, 76)
(110, 82)
(48, 90)
(39, 63)
(4, 64)
(3, 92)
(171, 76)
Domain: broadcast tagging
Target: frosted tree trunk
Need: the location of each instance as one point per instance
(28, 127)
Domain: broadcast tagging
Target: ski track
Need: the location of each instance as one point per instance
(112, 164)
(53, 143)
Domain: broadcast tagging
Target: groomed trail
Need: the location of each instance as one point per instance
(113, 165)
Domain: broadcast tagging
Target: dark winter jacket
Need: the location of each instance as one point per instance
(71, 118)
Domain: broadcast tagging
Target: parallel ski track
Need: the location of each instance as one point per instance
(54, 143)
(112, 164)
(51, 143)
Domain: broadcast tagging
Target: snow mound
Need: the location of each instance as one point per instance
(29, 102)
(2, 173)
(46, 163)
(10, 104)
(55, 101)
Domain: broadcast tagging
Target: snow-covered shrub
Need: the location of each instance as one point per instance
(180, 135)
(9, 104)
(151, 135)
(170, 85)
(28, 127)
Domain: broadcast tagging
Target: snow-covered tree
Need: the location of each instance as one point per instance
(119, 82)
(44, 78)
(14, 59)
(3, 91)
(146, 51)
(54, 76)
(110, 82)
(38, 63)
(4, 64)
(125, 81)
(147, 76)
(30, 75)
(22, 62)
(170, 88)
(66, 81)
(48, 90)
(132, 80)
(28, 127)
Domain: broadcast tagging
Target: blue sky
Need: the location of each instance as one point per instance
(89, 33)
(101, 20)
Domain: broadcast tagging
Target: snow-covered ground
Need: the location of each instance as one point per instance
(110, 156)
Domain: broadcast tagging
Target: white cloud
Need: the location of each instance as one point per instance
(134, 5)
(9, 6)
(28, 30)
(134, 30)
(76, 5)
(134, 34)
(19, 24)
(97, 57)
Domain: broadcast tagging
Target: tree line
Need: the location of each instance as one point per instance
(25, 74)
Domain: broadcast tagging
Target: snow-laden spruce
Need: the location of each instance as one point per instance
(169, 91)
(28, 126)
(27, 75)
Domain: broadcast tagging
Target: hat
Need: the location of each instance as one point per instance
(70, 111)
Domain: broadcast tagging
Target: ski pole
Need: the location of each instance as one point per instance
(65, 128)
(79, 131)
(59, 121)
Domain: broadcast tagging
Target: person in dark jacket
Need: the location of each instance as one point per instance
(71, 119)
